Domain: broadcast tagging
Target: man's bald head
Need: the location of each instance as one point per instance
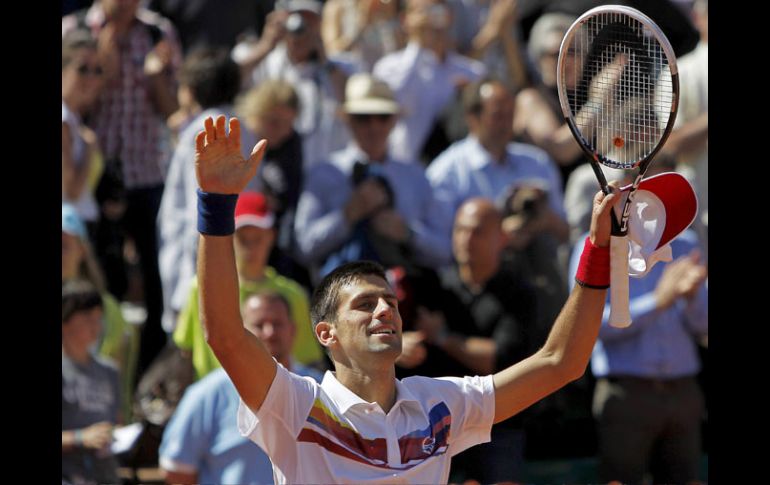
(477, 236)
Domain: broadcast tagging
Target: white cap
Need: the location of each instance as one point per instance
(663, 207)
(365, 94)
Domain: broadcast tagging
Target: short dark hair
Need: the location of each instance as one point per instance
(74, 41)
(212, 76)
(326, 299)
(78, 295)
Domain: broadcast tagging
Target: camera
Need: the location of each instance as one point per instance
(526, 201)
(295, 24)
(364, 171)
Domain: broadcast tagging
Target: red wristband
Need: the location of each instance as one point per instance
(594, 268)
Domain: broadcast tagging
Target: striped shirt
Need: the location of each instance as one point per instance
(327, 434)
(125, 121)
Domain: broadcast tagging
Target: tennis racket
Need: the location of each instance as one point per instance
(619, 91)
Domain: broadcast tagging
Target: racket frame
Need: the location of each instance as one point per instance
(619, 311)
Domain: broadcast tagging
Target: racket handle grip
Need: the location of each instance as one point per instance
(620, 317)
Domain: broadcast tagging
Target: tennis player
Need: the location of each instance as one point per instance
(361, 424)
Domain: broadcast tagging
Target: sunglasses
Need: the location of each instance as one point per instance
(84, 70)
(365, 118)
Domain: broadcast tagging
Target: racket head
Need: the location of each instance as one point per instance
(618, 85)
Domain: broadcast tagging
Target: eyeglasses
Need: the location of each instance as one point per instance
(365, 118)
(84, 70)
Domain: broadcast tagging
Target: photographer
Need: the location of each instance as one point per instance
(291, 49)
(382, 210)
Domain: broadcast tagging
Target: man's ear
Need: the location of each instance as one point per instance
(326, 333)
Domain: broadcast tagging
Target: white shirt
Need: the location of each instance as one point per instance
(423, 86)
(327, 434)
(322, 130)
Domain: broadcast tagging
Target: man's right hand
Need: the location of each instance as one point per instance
(219, 165)
(275, 28)
(601, 222)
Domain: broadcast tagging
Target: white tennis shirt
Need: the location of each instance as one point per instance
(324, 433)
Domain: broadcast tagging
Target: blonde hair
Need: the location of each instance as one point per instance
(263, 98)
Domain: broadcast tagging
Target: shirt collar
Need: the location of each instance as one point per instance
(414, 50)
(480, 157)
(345, 399)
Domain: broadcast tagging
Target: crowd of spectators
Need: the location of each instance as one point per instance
(423, 134)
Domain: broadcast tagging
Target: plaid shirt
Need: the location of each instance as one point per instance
(125, 119)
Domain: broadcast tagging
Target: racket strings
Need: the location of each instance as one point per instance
(625, 91)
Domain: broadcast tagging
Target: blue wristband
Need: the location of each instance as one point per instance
(216, 213)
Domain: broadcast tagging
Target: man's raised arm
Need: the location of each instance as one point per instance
(222, 174)
(567, 350)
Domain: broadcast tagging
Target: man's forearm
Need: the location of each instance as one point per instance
(219, 295)
(574, 333)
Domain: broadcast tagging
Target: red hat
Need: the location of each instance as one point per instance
(664, 206)
(252, 210)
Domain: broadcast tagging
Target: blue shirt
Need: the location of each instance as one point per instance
(202, 436)
(658, 343)
(466, 169)
(320, 226)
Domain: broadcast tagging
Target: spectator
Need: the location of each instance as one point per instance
(213, 81)
(253, 241)
(487, 164)
(689, 140)
(291, 49)
(647, 402)
(366, 204)
(538, 118)
(362, 30)
(139, 53)
(81, 82)
(485, 323)
(426, 75)
(90, 390)
(490, 31)
(201, 443)
(270, 110)
(118, 341)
